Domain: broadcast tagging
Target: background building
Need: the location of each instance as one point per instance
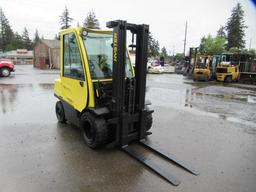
(47, 54)
(19, 56)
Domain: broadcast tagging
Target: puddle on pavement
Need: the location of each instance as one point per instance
(13, 94)
(245, 96)
(232, 105)
(228, 103)
(251, 131)
(48, 86)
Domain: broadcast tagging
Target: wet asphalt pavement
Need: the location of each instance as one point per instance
(210, 126)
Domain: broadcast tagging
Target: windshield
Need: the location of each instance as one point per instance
(215, 61)
(203, 62)
(100, 55)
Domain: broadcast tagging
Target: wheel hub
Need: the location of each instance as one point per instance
(5, 72)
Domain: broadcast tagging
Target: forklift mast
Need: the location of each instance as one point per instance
(128, 95)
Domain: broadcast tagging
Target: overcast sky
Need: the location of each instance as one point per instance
(166, 18)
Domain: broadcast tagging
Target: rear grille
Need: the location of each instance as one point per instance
(222, 70)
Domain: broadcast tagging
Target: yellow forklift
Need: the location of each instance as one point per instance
(101, 93)
(199, 66)
(202, 68)
(237, 67)
(228, 69)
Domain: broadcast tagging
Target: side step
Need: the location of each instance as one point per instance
(151, 165)
(154, 167)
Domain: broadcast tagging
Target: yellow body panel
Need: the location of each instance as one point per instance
(200, 73)
(73, 93)
(221, 76)
(69, 89)
(202, 67)
(57, 87)
(232, 71)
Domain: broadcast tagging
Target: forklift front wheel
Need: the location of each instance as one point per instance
(149, 121)
(228, 79)
(94, 130)
(60, 112)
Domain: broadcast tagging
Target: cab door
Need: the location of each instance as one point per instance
(74, 86)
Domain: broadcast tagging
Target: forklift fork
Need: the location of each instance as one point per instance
(151, 165)
(170, 157)
(154, 167)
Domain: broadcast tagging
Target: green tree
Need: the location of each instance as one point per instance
(57, 37)
(202, 47)
(91, 21)
(164, 52)
(6, 33)
(221, 32)
(212, 45)
(179, 56)
(153, 46)
(36, 38)
(234, 50)
(65, 19)
(16, 43)
(252, 52)
(235, 28)
(26, 40)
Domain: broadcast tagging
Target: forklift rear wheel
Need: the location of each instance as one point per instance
(60, 112)
(94, 130)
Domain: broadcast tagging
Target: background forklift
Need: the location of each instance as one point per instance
(228, 69)
(202, 69)
(236, 67)
(99, 91)
(201, 66)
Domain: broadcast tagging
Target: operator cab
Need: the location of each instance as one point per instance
(99, 49)
(87, 67)
(203, 62)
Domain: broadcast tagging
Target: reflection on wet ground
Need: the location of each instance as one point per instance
(8, 94)
(11, 95)
(233, 102)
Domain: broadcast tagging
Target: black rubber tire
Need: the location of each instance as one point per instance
(149, 121)
(5, 72)
(60, 113)
(94, 130)
(228, 79)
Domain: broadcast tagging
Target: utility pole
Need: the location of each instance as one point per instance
(250, 44)
(173, 53)
(185, 40)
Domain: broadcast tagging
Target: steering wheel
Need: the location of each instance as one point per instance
(92, 67)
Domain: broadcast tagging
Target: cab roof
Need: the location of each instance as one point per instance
(78, 29)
